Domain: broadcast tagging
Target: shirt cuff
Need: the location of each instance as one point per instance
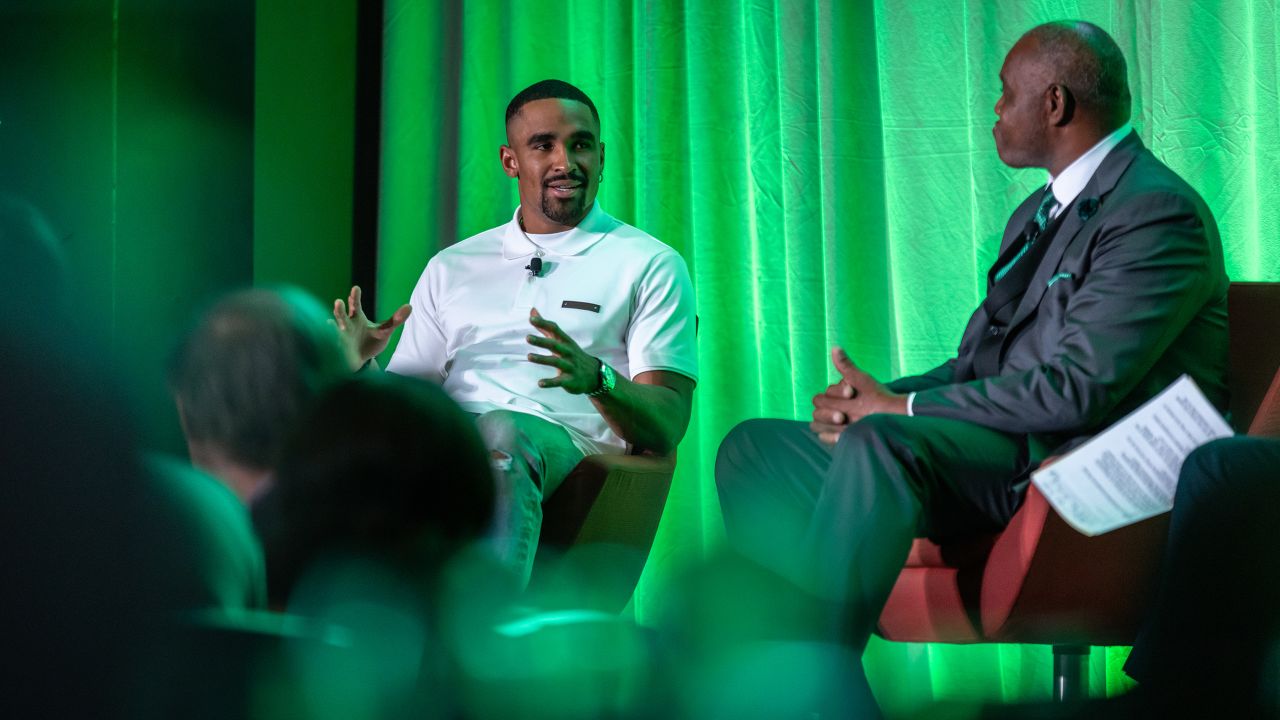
(911, 404)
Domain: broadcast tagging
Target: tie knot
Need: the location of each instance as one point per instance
(1042, 212)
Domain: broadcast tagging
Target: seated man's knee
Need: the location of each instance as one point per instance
(874, 429)
(1208, 467)
(740, 449)
(525, 439)
(500, 429)
(1226, 470)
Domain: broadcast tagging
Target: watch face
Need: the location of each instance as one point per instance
(607, 380)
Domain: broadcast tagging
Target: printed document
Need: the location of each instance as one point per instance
(1129, 471)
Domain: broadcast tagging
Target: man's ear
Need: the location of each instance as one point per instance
(1060, 104)
(601, 170)
(510, 165)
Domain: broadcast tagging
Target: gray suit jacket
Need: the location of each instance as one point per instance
(1130, 294)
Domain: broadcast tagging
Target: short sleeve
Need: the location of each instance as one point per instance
(422, 351)
(662, 334)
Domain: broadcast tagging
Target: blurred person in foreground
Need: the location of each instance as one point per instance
(244, 373)
(565, 331)
(1108, 286)
(1209, 642)
(377, 523)
(368, 525)
(104, 553)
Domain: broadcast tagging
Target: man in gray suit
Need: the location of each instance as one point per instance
(1109, 285)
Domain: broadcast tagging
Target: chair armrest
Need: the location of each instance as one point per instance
(1045, 582)
(965, 553)
(597, 529)
(1266, 421)
(609, 498)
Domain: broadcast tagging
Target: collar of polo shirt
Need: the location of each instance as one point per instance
(517, 244)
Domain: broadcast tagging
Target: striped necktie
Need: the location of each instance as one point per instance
(1033, 229)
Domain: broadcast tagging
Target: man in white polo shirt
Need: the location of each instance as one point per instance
(566, 331)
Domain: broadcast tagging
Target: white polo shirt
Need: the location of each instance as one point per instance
(623, 296)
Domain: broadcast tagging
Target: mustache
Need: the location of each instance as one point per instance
(575, 177)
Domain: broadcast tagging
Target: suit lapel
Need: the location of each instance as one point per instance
(1018, 221)
(1098, 187)
(978, 323)
(1014, 236)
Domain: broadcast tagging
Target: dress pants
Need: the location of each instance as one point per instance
(531, 456)
(839, 521)
(1216, 617)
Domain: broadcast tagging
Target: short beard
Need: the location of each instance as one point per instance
(568, 213)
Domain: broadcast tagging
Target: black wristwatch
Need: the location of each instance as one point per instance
(607, 380)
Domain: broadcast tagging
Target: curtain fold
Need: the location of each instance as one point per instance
(828, 172)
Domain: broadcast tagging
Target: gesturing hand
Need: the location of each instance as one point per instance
(855, 396)
(364, 339)
(577, 373)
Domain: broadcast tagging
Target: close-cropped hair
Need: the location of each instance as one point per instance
(549, 90)
(251, 365)
(1089, 62)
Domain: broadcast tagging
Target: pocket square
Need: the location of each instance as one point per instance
(1059, 276)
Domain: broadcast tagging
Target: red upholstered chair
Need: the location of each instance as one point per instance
(597, 529)
(1040, 581)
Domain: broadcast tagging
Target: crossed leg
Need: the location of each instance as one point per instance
(838, 522)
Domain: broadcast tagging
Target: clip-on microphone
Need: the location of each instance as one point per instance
(534, 267)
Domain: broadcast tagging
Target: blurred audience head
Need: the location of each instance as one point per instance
(385, 467)
(372, 518)
(78, 524)
(244, 374)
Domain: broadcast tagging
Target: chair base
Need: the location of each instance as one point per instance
(1070, 673)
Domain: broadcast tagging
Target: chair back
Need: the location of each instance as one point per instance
(1253, 308)
(597, 530)
(1266, 422)
(1042, 581)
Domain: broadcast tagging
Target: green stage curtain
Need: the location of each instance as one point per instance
(828, 172)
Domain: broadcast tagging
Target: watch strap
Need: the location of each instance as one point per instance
(607, 380)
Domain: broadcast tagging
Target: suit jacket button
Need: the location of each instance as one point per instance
(993, 331)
